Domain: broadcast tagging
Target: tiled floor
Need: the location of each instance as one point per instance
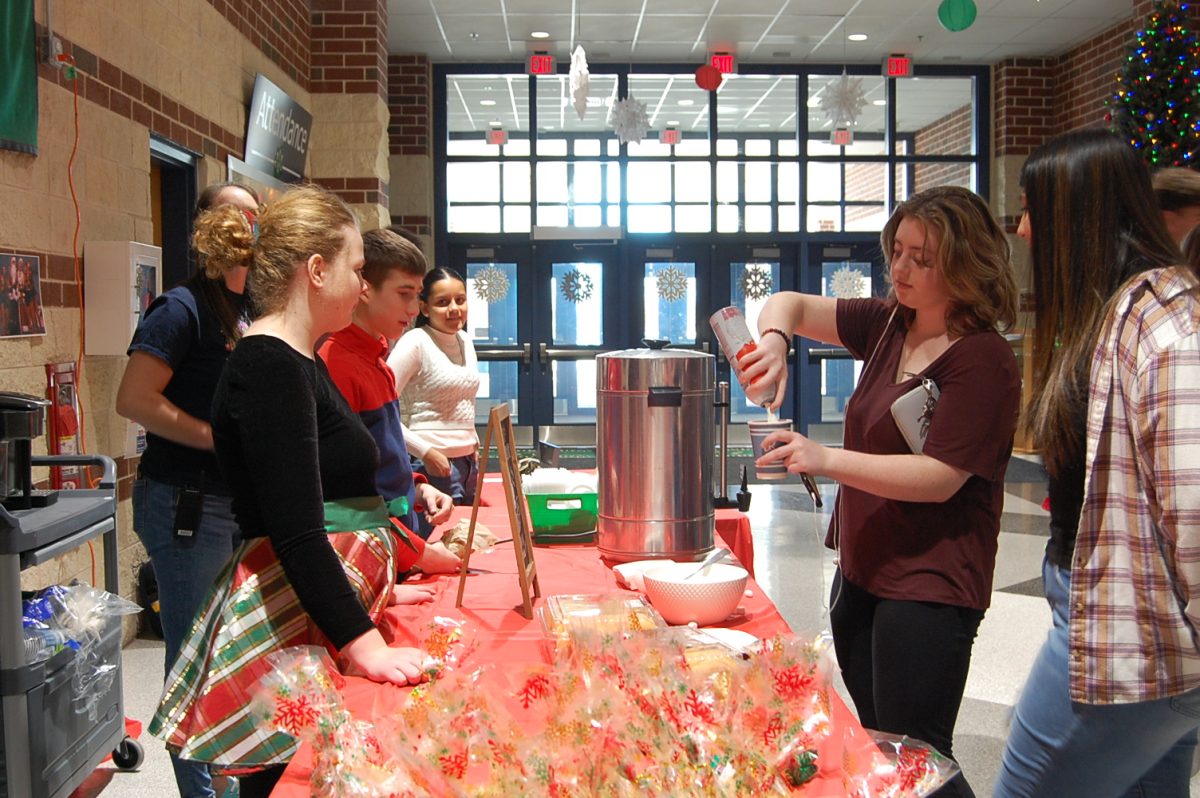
(794, 568)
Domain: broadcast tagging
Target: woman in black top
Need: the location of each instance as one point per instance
(302, 470)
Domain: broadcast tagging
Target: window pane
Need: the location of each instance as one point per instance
(728, 218)
(692, 219)
(517, 219)
(758, 219)
(758, 146)
(728, 187)
(750, 286)
(727, 147)
(759, 105)
(824, 182)
(497, 385)
(552, 215)
(516, 181)
(492, 322)
(935, 115)
(587, 215)
(692, 147)
(671, 101)
(789, 148)
(914, 177)
(517, 147)
(556, 106)
(551, 146)
(824, 218)
(864, 144)
(758, 182)
(789, 182)
(552, 181)
(649, 147)
(577, 316)
(649, 182)
(613, 178)
(649, 218)
(473, 182)
(574, 391)
(474, 144)
(612, 216)
(693, 182)
(586, 187)
(587, 146)
(866, 182)
(789, 218)
(475, 103)
(866, 218)
(473, 219)
(871, 118)
(669, 302)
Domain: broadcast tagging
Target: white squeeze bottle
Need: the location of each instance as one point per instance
(735, 340)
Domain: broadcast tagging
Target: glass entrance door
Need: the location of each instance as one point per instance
(828, 373)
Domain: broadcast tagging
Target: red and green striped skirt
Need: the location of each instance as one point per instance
(251, 612)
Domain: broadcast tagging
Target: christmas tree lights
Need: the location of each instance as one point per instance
(1156, 104)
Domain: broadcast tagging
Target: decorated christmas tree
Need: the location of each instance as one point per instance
(1157, 99)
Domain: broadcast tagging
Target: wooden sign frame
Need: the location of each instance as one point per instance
(500, 431)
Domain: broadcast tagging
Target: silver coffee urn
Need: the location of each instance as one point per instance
(654, 453)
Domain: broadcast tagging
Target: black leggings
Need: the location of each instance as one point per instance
(905, 664)
(260, 783)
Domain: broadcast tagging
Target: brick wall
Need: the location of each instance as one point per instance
(949, 135)
(280, 29)
(349, 47)
(1025, 113)
(409, 103)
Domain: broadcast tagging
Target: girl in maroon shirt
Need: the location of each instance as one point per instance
(916, 533)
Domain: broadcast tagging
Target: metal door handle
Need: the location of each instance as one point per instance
(546, 353)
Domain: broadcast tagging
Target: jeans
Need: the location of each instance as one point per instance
(459, 485)
(905, 664)
(1060, 748)
(185, 573)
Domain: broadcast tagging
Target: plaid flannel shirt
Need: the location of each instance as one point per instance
(1135, 586)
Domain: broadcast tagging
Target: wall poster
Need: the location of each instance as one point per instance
(20, 295)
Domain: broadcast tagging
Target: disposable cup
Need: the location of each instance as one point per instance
(759, 430)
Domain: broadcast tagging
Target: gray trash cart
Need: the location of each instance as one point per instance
(49, 747)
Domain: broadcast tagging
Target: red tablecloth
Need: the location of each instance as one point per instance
(492, 604)
(732, 527)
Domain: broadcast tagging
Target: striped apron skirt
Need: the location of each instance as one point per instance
(251, 612)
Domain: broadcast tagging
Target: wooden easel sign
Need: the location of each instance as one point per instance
(500, 431)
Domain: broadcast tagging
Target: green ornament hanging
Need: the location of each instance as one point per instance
(956, 15)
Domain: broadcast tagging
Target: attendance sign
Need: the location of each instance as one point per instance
(277, 132)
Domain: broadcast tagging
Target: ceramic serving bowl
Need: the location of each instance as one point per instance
(706, 598)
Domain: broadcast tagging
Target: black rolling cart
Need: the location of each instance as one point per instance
(49, 745)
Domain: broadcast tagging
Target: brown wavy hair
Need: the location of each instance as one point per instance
(1094, 223)
(303, 221)
(207, 280)
(973, 257)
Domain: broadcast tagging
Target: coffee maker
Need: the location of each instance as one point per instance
(22, 418)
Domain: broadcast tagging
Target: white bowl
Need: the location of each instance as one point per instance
(706, 598)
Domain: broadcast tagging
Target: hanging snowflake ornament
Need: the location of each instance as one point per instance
(629, 120)
(848, 283)
(755, 282)
(576, 286)
(491, 284)
(579, 79)
(844, 100)
(671, 283)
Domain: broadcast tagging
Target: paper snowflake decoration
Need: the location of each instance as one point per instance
(672, 284)
(629, 120)
(579, 79)
(576, 286)
(755, 282)
(491, 284)
(843, 100)
(848, 283)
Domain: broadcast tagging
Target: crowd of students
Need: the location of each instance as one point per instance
(280, 472)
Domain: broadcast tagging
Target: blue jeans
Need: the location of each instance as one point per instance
(185, 573)
(1060, 748)
(459, 485)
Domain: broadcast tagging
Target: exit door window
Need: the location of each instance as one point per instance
(751, 284)
(669, 302)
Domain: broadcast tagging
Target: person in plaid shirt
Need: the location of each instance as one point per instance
(1112, 704)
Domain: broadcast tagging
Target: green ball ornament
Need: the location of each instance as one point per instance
(957, 15)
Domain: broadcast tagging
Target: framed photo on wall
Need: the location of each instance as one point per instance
(20, 295)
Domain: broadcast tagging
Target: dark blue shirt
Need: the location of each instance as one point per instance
(179, 329)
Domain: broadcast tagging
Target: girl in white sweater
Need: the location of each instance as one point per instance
(437, 379)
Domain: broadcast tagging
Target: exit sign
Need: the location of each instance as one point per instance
(540, 64)
(841, 137)
(897, 65)
(669, 135)
(724, 62)
(497, 135)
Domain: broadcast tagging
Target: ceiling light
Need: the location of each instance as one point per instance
(764, 124)
(857, 37)
(487, 103)
(673, 123)
(685, 102)
(496, 123)
(879, 102)
(539, 34)
(473, 36)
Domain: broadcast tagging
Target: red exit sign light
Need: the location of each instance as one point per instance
(724, 62)
(669, 135)
(540, 64)
(897, 65)
(497, 135)
(841, 137)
